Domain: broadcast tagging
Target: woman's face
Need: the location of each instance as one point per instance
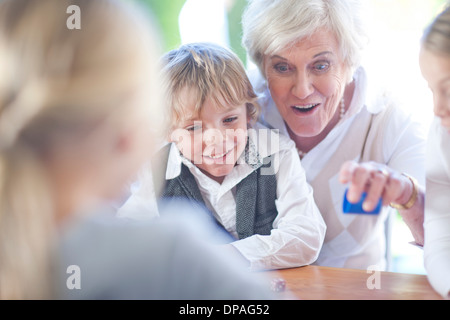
(436, 71)
(307, 81)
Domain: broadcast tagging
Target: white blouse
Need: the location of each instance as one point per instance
(403, 149)
(298, 230)
(437, 209)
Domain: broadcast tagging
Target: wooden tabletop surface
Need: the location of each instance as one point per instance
(324, 283)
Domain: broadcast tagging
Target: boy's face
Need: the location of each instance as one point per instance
(215, 139)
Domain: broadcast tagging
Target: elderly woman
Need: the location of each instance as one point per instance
(435, 66)
(314, 89)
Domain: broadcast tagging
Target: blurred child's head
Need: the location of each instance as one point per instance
(210, 103)
(435, 64)
(76, 105)
(62, 87)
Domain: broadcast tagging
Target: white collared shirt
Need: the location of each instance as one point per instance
(298, 230)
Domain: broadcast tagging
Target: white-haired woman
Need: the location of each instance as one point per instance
(77, 109)
(435, 66)
(314, 89)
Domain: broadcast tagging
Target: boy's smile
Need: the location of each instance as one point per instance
(219, 158)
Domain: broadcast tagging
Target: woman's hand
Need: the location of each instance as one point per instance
(380, 181)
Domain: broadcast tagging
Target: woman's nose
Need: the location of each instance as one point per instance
(302, 87)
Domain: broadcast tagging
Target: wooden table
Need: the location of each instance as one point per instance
(324, 283)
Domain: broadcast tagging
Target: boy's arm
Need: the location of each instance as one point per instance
(298, 230)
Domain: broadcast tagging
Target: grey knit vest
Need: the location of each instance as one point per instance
(255, 196)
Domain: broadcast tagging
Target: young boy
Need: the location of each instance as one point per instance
(249, 177)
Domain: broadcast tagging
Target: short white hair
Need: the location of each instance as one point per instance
(270, 26)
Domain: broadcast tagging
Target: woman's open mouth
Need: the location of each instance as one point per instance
(304, 109)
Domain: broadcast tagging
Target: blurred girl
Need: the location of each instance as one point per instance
(77, 108)
(435, 66)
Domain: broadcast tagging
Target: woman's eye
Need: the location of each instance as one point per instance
(321, 66)
(281, 67)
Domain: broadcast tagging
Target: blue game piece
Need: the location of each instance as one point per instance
(356, 208)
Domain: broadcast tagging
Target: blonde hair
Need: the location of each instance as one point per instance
(207, 71)
(57, 82)
(437, 36)
(270, 26)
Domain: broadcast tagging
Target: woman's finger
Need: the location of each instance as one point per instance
(359, 180)
(346, 172)
(378, 182)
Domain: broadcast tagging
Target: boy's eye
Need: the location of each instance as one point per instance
(194, 128)
(230, 119)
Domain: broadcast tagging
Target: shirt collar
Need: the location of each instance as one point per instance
(174, 162)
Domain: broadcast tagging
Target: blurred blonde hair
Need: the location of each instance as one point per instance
(269, 26)
(437, 36)
(57, 83)
(208, 71)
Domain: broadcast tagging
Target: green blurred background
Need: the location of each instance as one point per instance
(167, 11)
